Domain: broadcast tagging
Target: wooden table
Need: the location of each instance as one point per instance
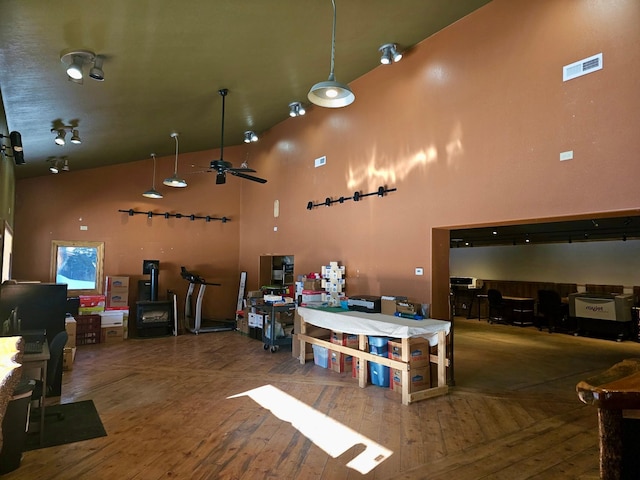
(521, 308)
(612, 391)
(39, 361)
(377, 324)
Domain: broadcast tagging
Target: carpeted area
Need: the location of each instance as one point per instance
(80, 421)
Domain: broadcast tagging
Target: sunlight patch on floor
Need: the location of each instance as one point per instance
(329, 435)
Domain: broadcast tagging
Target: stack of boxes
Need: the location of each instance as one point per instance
(116, 322)
(419, 373)
(339, 362)
(69, 352)
(333, 283)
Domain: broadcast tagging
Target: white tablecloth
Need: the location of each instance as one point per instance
(374, 324)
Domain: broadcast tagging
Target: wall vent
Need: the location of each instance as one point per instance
(582, 67)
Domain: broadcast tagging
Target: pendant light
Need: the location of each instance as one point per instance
(331, 94)
(153, 193)
(175, 180)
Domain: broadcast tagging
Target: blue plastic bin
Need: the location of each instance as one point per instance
(379, 373)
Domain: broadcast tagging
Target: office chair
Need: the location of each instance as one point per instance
(496, 306)
(56, 348)
(551, 309)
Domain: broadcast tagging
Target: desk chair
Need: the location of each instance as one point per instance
(551, 309)
(496, 306)
(56, 348)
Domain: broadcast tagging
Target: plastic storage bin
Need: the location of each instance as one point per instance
(379, 373)
(320, 356)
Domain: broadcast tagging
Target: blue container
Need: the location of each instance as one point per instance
(379, 373)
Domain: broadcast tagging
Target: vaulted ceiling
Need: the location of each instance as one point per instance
(165, 61)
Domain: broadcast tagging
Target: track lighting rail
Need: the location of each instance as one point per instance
(356, 197)
(208, 218)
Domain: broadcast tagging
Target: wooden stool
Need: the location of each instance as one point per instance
(612, 391)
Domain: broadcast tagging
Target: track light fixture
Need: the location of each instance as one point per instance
(175, 180)
(152, 192)
(75, 60)
(296, 109)
(250, 136)
(16, 147)
(331, 94)
(58, 164)
(61, 133)
(390, 54)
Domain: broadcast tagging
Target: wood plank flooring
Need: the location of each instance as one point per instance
(171, 409)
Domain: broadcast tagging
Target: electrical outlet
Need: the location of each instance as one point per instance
(319, 162)
(419, 271)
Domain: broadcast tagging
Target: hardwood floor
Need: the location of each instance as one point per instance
(171, 409)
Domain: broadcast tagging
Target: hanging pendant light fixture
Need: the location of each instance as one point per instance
(331, 94)
(153, 193)
(175, 180)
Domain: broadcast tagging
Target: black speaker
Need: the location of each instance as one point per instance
(16, 146)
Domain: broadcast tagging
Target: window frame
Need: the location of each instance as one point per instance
(56, 245)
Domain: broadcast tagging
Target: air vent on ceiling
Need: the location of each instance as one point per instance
(582, 67)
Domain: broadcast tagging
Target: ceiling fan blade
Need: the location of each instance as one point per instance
(248, 177)
(240, 170)
(221, 178)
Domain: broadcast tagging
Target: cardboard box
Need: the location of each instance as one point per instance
(242, 325)
(90, 310)
(118, 297)
(92, 301)
(420, 378)
(313, 285)
(418, 348)
(339, 362)
(312, 296)
(71, 327)
(68, 356)
(256, 320)
(388, 303)
(112, 318)
(345, 339)
(409, 308)
(117, 283)
(112, 334)
(355, 369)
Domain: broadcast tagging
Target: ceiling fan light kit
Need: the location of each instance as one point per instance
(221, 167)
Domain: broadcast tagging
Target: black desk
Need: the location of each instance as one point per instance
(518, 311)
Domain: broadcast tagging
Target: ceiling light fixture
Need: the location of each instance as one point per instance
(331, 94)
(54, 168)
(75, 137)
(60, 137)
(65, 167)
(61, 133)
(250, 136)
(75, 60)
(296, 109)
(16, 147)
(175, 180)
(152, 192)
(390, 54)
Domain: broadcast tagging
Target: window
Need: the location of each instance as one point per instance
(7, 249)
(79, 265)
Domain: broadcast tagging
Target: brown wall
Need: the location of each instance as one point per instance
(468, 128)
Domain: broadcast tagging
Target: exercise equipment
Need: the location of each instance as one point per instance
(197, 320)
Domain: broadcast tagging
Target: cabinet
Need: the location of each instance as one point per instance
(276, 270)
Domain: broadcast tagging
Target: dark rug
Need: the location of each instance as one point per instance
(80, 421)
